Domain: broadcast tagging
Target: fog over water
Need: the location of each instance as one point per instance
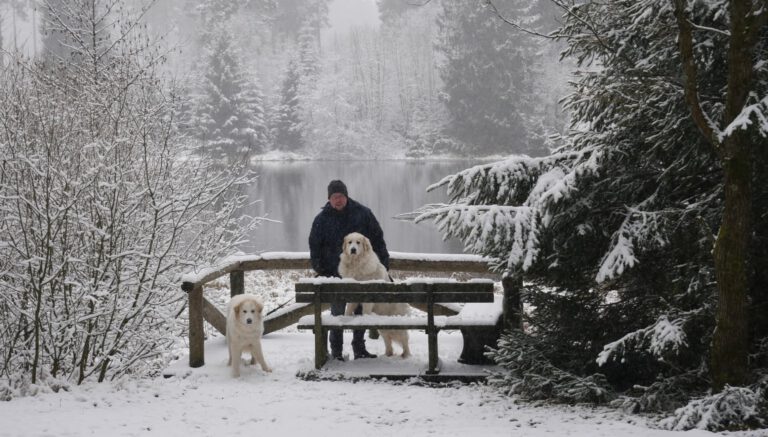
(294, 192)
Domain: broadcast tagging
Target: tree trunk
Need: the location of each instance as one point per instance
(730, 342)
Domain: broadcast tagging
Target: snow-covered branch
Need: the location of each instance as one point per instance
(755, 113)
(661, 339)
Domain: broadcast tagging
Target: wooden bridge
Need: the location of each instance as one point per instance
(201, 309)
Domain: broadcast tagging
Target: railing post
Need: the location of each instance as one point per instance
(512, 306)
(236, 283)
(196, 333)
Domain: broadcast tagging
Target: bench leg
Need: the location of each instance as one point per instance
(321, 351)
(431, 334)
(432, 343)
(476, 338)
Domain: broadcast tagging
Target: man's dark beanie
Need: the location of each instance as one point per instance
(337, 186)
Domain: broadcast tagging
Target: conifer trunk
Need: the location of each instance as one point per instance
(730, 341)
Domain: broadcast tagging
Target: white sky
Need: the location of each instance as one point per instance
(345, 14)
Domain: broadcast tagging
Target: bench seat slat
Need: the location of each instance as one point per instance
(373, 321)
(407, 297)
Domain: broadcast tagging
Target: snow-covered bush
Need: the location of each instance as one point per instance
(732, 409)
(102, 207)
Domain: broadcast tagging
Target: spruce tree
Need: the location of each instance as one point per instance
(229, 110)
(488, 75)
(615, 229)
(288, 135)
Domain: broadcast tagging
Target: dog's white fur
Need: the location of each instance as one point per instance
(358, 261)
(245, 325)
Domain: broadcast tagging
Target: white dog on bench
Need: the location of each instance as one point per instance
(358, 261)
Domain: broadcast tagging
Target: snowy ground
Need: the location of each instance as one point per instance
(207, 401)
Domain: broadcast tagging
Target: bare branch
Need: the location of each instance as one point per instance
(489, 4)
(570, 11)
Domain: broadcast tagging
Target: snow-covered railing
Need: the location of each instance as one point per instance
(200, 309)
(405, 261)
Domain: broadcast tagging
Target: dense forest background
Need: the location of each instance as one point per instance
(273, 76)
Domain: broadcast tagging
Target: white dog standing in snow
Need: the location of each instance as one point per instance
(245, 326)
(358, 261)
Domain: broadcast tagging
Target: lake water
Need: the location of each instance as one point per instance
(294, 192)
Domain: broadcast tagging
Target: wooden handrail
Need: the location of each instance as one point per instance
(200, 309)
(401, 261)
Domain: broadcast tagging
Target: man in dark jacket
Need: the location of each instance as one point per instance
(339, 217)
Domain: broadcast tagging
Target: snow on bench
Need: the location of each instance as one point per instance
(479, 319)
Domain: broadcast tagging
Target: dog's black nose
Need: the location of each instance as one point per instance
(249, 321)
(353, 250)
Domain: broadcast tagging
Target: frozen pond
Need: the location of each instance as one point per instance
(294, 192)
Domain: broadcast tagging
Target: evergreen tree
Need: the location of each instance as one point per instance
(291, 16)
(229, 110)
(615, 228)
(288, 135)
(488, 75)
(308, 56)
(392, 10)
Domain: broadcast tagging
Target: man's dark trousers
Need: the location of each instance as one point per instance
(336, 336)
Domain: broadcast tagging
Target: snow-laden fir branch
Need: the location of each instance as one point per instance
(501, 209)
(721, 411)
(638, 228)
(663, 338)
(755, 113)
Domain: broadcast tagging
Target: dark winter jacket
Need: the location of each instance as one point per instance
(331, 226)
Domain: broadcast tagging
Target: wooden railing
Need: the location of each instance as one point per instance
(201, 309)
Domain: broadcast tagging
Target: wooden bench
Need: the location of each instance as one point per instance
(428, 292)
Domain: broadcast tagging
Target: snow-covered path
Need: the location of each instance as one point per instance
(208, 402)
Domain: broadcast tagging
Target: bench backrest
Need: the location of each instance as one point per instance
(407, 292)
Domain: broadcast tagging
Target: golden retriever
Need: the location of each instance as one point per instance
(245, 325)
(358, 261)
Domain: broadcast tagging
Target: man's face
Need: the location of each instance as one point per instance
(338, 201)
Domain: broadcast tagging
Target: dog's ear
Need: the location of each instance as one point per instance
(259, 307)
(236, 310)
(367, 244)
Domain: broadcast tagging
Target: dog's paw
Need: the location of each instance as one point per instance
(267, 369)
